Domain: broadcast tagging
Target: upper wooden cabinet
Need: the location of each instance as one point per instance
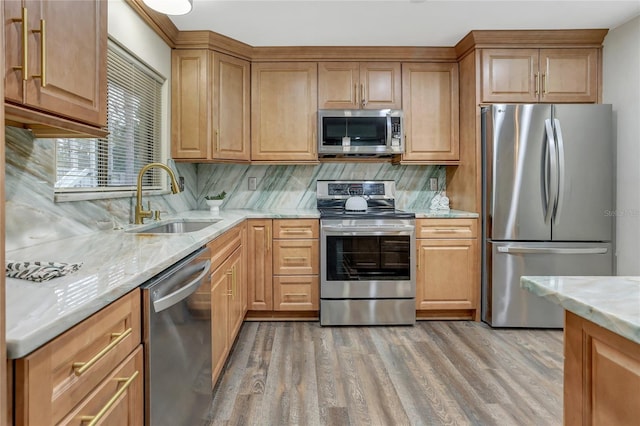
(359, 85)
(430, 103)
(210, 106)
(539, 75)
(56, 56)
(283, 111)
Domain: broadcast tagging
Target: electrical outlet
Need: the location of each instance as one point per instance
(433, 184)
(253, 183)
(181, 183)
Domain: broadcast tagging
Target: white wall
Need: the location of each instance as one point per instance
(621, 87)
(126, 27)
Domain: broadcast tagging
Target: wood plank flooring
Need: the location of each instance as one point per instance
(435, 373)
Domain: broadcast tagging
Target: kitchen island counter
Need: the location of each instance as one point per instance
(610, 302)
(601, 346)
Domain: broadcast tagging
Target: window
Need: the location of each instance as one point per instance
(108, 168)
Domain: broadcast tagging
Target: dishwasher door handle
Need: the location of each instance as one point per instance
(171, 299)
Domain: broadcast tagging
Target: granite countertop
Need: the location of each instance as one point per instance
(114, 262)
(610, 302)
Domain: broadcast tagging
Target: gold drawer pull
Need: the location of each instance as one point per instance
(295, 231)
(295, 295)
(93, 420)
(43, 53)
(295, 259)
(449, 230)
(81, 367)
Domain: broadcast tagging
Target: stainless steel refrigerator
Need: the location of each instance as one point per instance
(548, 200)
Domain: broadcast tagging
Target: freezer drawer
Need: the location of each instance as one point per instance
(506, 304)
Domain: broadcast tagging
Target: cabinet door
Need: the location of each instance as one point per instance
(219, 319)
(510, 75)
(236, 312)
(338, 85)
(284, 101)
(259, 273)
(569, 75)
(380, 84)
(13, 53)
(231, 105)
(447, 275)
(190, 105)
(296, 293)
(430, 102)
(68, 58)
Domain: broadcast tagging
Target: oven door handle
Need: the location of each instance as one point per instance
(390, 230)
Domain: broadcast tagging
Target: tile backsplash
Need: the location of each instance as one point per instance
(33, 217)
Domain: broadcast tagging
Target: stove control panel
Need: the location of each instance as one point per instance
(344, 189)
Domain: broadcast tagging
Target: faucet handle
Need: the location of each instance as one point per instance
(149, 205)
(156, 214)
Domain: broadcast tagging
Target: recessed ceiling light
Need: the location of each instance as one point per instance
(170, 7)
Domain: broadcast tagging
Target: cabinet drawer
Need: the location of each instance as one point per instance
(296, 257)
(446, 228)
(295, 229)
(296, 293)
(56, 377)
(223, 246)
(118, 400)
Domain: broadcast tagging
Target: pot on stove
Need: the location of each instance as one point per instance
(356, 203)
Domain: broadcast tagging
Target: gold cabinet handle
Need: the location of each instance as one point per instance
(93, 420)
(448, 230)
(418, 259)
(295, 231)
(233, 282)
(80, 367)
(43, 53)
(268, 241)
(25, 43)
(544, 83)
(362, 95)
(217, 141)
(355, 94)
(294, 258)
(537, 83)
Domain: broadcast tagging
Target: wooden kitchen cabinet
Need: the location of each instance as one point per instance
(228, 293)
(296, 265)
(448, 274)
(359, 85)
(539, 75)
(80, 371)
(430, 103)
(601, 375)
(210, 106)
(65, 54)
(283, 111)
(284, 276)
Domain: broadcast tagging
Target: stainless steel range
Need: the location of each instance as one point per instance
(367, 259)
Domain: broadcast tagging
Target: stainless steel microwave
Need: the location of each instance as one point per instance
(360, 132)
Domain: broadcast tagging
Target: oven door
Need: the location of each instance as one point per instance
(367, 259)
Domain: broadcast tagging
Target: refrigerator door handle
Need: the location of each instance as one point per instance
(552, 184)
(561, 169)
(549, 250)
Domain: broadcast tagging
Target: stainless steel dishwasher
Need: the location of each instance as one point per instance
(177, 342)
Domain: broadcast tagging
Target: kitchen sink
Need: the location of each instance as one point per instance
(178, 226)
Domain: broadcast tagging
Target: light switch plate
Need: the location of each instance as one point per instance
(253, 183)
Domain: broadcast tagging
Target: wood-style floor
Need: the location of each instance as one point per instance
(435, 373)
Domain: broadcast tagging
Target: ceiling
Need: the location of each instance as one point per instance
(392, 22)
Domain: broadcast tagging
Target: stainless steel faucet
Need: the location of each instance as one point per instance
(141, 213)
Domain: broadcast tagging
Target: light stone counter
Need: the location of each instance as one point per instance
(611, 302)
(113, 263)
(446, 214)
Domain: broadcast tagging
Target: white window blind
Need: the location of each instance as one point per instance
(100, 168)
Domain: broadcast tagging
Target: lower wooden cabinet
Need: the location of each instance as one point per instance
(79, 372)
(448, 275)
(601, 375)
(285, 263)
(228, 294)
